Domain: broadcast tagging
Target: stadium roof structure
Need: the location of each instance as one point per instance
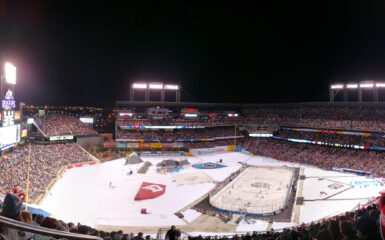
(129, 104)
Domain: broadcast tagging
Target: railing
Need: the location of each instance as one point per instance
(29, 229)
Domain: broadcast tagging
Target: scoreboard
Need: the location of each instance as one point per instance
(9, 131)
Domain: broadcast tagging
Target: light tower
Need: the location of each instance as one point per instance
(149, 87)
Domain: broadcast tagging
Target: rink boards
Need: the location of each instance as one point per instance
(257, 191)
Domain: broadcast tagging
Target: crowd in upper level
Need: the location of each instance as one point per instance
(176, 133)
(322, 156)
(334, 138)
(58, 124)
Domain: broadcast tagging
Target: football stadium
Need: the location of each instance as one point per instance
(282, 137)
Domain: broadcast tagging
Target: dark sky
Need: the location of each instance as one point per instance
(87, 52)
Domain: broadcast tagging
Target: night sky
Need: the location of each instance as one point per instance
(87, 52)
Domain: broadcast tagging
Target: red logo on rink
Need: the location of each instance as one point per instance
(149, 191)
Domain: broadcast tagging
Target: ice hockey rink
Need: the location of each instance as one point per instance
(84, 195)
(256, 190)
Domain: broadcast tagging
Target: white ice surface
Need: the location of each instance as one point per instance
(257, 225)
(190, 215)
(83, 194)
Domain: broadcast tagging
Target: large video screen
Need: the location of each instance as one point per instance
(9, 135)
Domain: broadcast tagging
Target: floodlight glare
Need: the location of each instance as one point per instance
(171, 87)
(139, 85)
(10, 73)
(337, 86)
(380, 84)
(156, 86)
(366, 85)
(352, 86)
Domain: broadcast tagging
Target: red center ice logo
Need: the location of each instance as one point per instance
(150, 190)
(153, 188)
(209, 165)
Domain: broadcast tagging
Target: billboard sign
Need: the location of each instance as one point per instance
(8, 118)
(61, 138)
(8, 101)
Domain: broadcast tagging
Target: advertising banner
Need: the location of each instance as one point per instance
(168, 145)
(156, 145)
(60, 138)
(144, 145)
(121, 145)
(81, 165)
(109, 144)
(132, 145)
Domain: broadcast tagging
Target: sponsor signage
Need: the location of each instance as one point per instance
(150, 190)
(17, 115)
(24, 132)
(30, 121)
(8, 102)
(61, 138)
(8, 118)
(86, 120)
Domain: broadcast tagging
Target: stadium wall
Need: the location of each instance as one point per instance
(89, 141)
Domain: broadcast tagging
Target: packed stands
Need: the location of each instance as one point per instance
(57, 125)
(45, 162)
(363, 223)
(353, 117)
(175, 134)
(334, 138)
(322, 156)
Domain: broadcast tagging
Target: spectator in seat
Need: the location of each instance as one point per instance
(26, 217)
(173, 233)
(324, 234)
(367, 229)
(139, 237)
(347, 230)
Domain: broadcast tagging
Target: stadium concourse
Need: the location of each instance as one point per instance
(338, 149)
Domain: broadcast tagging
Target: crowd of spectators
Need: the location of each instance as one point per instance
(347, 117)
(209, 144)
(189, 122)
(58, 124)
(322, 156)
(45, 161)
(175, 134)
(360, 224)
(334, 138)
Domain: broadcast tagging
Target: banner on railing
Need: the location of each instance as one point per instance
(178, 140)
(329, 144)
(365, 134)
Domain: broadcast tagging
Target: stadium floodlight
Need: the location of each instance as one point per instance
(352, 85)
(139, 85)
(171, 87)
(337, 86)
(366, 85)
(380, 85)
(156, 86)
(10, 73)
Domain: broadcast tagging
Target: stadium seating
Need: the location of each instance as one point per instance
(57, 125)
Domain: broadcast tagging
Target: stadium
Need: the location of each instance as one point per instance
(191, 120)
(210, 169)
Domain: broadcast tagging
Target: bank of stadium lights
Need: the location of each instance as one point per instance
(10, 73)
(363, 85)
(154, 86)
(352, 86)
(139, 86)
